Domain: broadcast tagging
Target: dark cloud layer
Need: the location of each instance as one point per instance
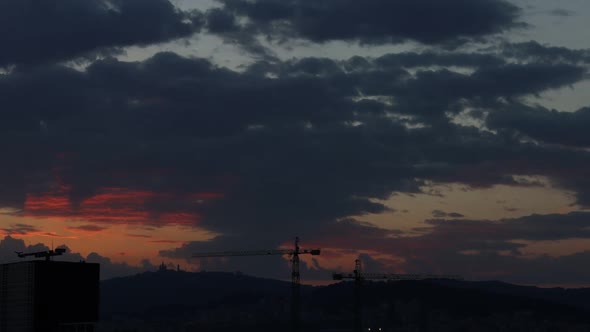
(551, 227)
(302, 147)
(281, 136)
(534, 51)
(544, 125)
(443, 214)
(371, 22)
(20, 229)
(41, 31)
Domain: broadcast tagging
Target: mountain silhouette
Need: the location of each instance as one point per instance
(220, 301)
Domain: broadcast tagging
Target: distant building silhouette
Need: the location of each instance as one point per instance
(49, 296)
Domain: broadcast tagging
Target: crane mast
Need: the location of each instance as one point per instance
(295, 275)
(295, 289)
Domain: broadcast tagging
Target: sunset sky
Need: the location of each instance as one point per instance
(422, 136)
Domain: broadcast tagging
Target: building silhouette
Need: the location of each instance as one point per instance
(49, 296)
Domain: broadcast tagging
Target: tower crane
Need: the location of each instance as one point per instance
(47, 254)
(358, 276)
(295, 275)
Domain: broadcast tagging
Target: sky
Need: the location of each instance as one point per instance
(419, 136)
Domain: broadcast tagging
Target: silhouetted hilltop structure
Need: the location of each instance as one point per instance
(169, 300)
(49, 296)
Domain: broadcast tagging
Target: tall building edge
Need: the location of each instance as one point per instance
(49, 296)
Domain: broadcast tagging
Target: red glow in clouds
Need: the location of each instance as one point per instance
(115, 205)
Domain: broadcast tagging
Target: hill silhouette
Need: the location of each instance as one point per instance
(575, 297)
(135, 294)
(220, 301)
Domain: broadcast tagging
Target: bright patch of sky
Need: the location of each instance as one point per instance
(554, 21)
(490, 204)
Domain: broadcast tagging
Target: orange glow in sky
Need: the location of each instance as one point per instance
(115, 222)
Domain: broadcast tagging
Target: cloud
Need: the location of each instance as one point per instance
(431, 58)
(20, 229)
(10, 245)
(295, 148)
(433, 93)
(369, 22)
(87, 228)
(544, 125)
(475, 249)
(42, 31)
(108, 268)
(534, 51)
(530, 228)
(225, 24)
(560, 12)
(443, 214)
(111, 205)
(182, 141)
(139, 236)
(551, 128)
